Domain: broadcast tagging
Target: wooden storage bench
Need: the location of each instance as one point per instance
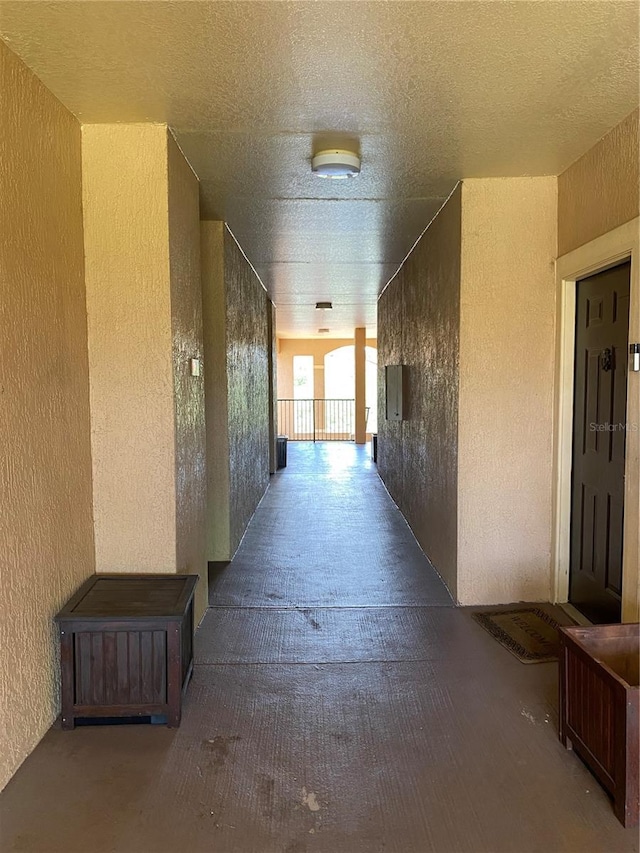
(126, 647)
(599, 702)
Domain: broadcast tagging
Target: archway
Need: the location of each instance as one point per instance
(339, 379)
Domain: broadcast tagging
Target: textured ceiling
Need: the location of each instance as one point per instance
(430, 91)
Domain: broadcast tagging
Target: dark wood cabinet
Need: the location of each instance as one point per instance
(126, 647)
(599, 707)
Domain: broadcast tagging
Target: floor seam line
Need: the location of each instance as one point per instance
(317, 662)
(299, 607)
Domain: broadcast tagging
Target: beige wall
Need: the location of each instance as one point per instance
(507, 306)
(46, 535)
(600, 190)
(471, 314)
(130, 346)
(237, 316)
(187, 343)
(418, 326)
(144, 316)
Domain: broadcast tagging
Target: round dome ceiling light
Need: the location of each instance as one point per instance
(335, 163)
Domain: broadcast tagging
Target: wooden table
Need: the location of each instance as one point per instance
(126, 647)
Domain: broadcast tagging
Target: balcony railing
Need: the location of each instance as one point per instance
(317, 420)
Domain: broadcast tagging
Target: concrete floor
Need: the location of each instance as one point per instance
(340, 704)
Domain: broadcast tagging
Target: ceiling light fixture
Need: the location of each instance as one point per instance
(335, 163)
(322, 305)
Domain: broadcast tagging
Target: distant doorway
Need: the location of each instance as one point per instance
(302, 377)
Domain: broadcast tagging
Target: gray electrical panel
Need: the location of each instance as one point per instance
(394, 386)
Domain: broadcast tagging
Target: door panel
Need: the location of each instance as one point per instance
(599, 440)
(613, 568)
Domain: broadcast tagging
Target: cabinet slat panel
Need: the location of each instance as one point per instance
(159, 666)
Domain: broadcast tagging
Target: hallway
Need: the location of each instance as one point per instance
(340, 703)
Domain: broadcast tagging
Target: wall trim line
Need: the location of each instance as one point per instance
(421, 235)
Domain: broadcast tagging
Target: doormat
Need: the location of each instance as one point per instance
(528, 632)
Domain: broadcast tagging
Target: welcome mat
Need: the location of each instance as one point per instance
(529, 633)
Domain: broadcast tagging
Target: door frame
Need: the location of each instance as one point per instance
(617, 246)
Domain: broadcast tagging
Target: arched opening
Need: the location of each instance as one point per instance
(339, 379)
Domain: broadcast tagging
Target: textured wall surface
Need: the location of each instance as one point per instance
(247, 388)
(418, 326)
(46, 535)
(273, 385)
(237, 347)
(187, 343)
(390, 351)
(215, 381)
(600, 190)
(507, 307)
(130, 346)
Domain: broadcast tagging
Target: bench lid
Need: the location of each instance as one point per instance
(130, 596)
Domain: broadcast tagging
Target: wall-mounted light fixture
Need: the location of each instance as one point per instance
(323, 331)
(321, 306)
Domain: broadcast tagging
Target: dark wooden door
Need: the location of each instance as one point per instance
(599, 439)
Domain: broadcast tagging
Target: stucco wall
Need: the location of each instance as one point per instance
(46, 534)
(215, 381)
(126, 229)
(187, 343)
(273, 385)
(144, 305)
(507, 307)
(418, 327)
(390, 351)
(247, 388)
(237, 360)
(600, 191)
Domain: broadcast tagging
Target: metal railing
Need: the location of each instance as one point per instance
(317, 420)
